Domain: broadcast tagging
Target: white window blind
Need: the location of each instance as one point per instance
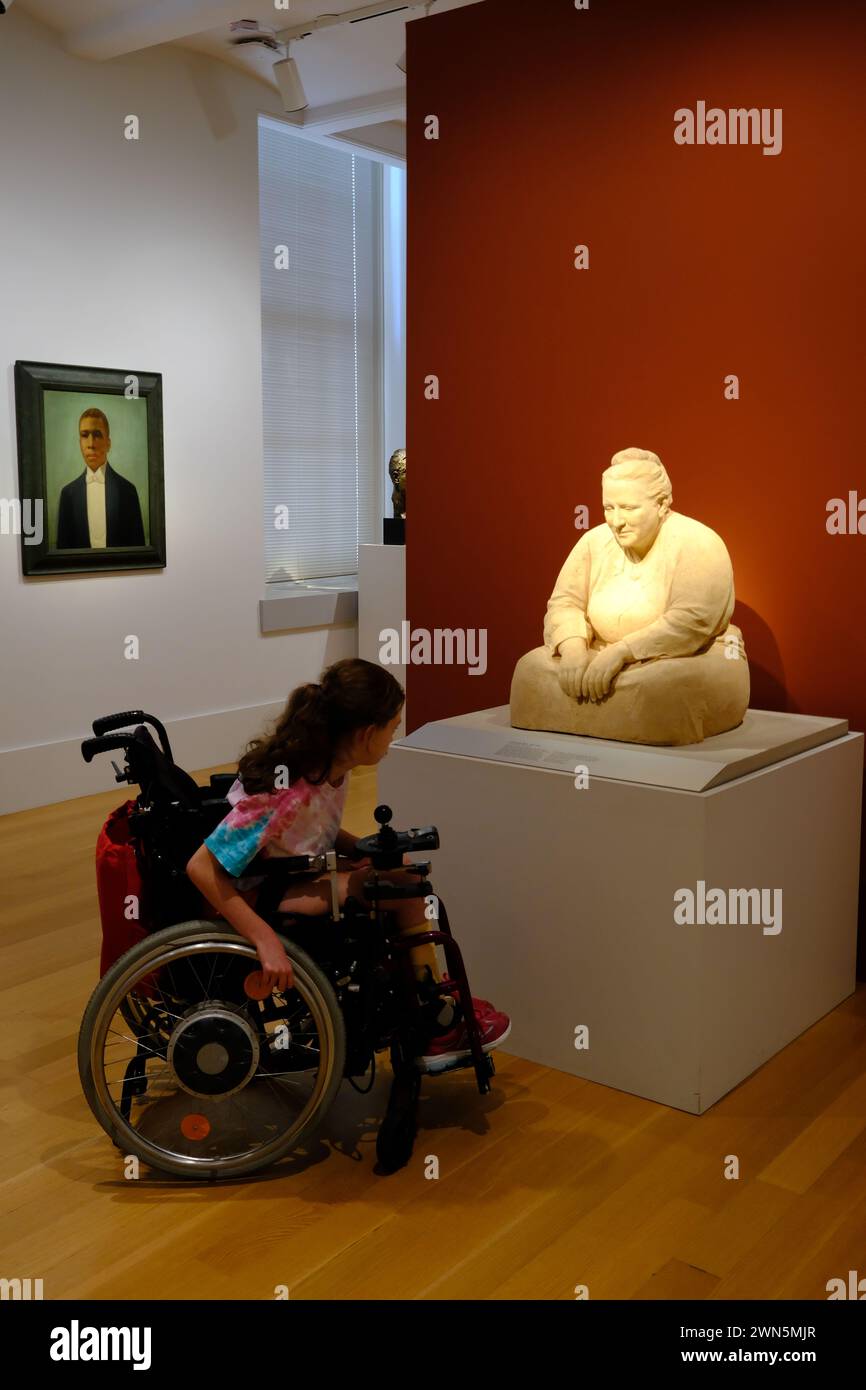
(394, 316)
(321, 354)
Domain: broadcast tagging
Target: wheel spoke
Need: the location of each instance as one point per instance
(148, 1077)
(265, 1076)
(272, 1075)
(136, 1042)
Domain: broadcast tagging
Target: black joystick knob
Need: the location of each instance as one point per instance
(387, 835)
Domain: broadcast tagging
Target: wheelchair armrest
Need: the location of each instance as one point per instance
(277, 874)
(375, 888)
(284, 866)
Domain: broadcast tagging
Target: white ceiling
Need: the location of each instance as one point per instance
(354, 88)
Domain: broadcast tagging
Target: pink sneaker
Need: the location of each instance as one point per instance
(447, 1049)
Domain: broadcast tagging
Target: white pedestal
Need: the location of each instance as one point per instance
(563, 903)
(381, 603)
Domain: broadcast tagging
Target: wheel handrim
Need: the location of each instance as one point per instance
(252, 1118)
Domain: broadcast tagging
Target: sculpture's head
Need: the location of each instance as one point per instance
(397, 467)
(397, 474)
(636, 497)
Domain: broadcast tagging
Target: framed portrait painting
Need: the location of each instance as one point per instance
(90, 468)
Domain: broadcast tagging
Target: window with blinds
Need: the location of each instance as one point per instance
(321, 274)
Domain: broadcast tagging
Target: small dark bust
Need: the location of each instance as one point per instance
(397, 474)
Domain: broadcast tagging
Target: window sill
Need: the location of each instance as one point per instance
(309, 603)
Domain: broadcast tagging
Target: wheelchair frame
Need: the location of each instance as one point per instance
(172, 816)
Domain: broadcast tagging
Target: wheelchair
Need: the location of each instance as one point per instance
(183, 1062)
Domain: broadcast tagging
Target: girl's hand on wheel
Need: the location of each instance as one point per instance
(277, 970)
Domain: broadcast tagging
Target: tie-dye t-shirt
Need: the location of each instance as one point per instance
(301, 819)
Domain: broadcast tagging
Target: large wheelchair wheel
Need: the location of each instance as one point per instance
(187, 1071)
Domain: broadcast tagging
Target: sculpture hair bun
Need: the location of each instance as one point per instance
(641, 465)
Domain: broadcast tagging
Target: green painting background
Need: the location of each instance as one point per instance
(127, 425)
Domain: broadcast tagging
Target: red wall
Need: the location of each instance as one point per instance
(557, 128)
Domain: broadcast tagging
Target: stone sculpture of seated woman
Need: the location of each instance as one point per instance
(638, 639)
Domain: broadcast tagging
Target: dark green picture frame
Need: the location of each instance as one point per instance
(138, 391)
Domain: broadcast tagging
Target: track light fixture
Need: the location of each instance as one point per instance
(290, 84)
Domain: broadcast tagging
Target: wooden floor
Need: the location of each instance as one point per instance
(547, 1183)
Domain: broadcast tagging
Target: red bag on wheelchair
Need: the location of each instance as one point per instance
(119, 887)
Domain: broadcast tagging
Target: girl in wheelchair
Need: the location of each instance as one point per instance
(288, 799)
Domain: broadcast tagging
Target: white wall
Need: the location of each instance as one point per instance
(142, 256)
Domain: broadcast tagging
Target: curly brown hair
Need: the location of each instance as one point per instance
(318, 719)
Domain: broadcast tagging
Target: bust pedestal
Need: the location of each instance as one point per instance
(563, 899)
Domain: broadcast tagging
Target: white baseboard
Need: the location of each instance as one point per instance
(48, 772)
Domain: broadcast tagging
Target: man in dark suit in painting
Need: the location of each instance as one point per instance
(99, 508)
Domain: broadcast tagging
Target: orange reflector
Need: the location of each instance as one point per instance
(195, 1127)
(255, 987)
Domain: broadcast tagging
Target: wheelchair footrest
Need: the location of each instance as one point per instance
(436, 1069)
